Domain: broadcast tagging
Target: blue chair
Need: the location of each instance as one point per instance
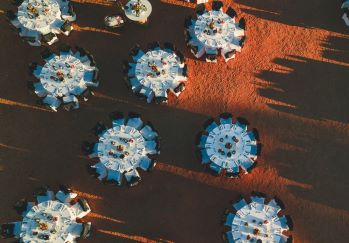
(226, 118)
(258, 202)
(241, 125)
(135, 122)
(150, 147)
(205, 159)
(284, 223)
(210, 124)
(254, 149)
(240, 204)
(215, 169)
(203, 141)
(251, 136)
(117, 118)
(232, 172)
(229, 219)
(230, 237)
(37, 71)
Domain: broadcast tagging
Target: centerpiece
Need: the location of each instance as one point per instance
(138, 8)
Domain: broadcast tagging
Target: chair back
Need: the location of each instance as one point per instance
(83, 203)
(200, 9)
(231, 12)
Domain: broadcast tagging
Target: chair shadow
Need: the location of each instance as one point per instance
(321, 14)
(307, 88)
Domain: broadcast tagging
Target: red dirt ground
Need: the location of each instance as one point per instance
(290, 82)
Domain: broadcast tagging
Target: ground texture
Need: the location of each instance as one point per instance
(290, 81)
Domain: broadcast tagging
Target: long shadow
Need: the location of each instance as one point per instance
(307, 88)
(315, 156)
(336, 48)
(167, 205)
(320, 14)
(314, 90)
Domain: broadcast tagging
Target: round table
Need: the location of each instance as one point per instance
(130, 144)
(145, 11)
(51, 219)
(257, 221)
(39, 15)
(121, 148)
(66, 75)
(159, 71)
(215, 30)
(228, 145)
(63, 75)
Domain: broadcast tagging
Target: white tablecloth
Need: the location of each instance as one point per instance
(58, 218)
(73, 71)
(144, 13)
(227, 33)
(133, 148)
(166, 75)
(48, 11)
(222, 135)
(249, 219)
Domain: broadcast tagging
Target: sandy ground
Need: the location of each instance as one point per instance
(290, 82)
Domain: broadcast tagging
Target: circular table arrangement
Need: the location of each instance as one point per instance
(138, 10)
(39, 20)
(212, 31)
(50, 219)
(257, 222)
(345, 8)
(65, 76)
(128, 145)
(154, 73)
(226, 145)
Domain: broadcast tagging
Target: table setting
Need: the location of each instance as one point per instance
(138, 10)
(214, 31)
(228, 146)
(123, 148)
(38, 21)
(55, 218)
(157, 72)
(65, 77)
(256, 221)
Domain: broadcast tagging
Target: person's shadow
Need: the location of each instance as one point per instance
(320, 14)
(311, 89)
(337, 49)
